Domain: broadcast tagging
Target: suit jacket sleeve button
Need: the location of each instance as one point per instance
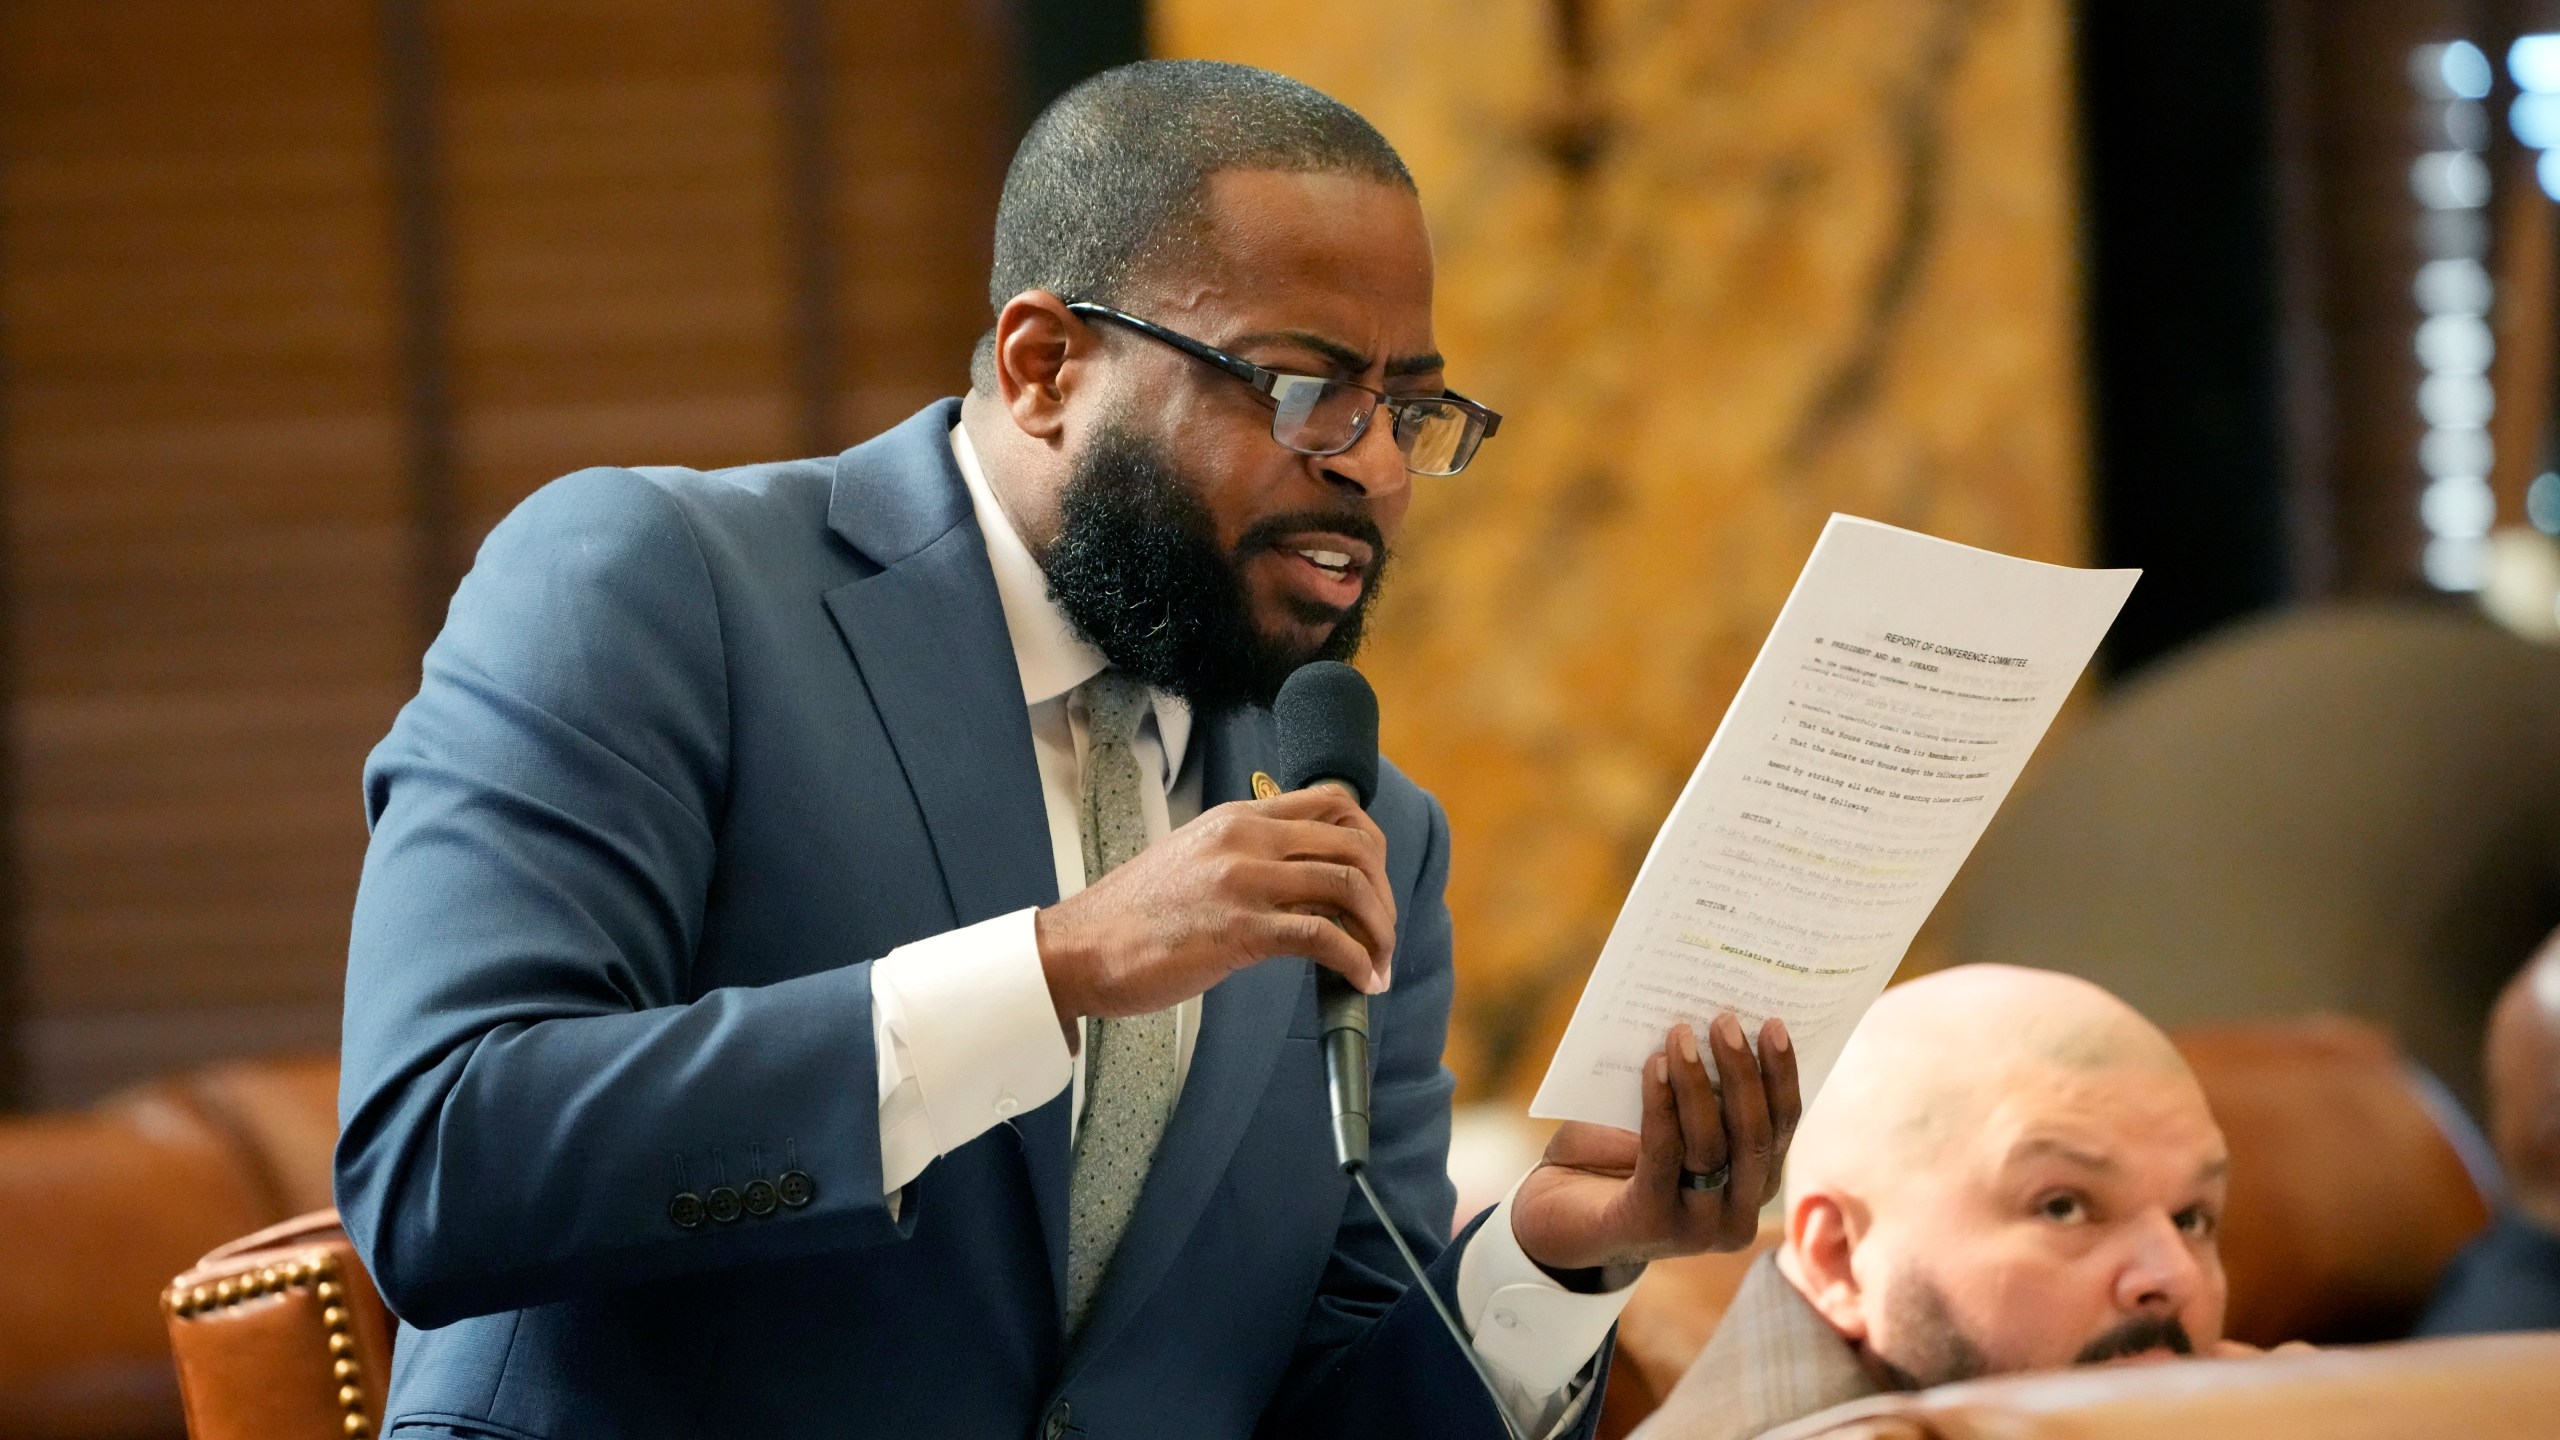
(685, 1210)
(724, 1204)
(794, 1188)
(760, 1196)
(1057, 1425)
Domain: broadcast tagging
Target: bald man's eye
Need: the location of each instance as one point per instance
(2198, 1223)
(2063, 1209)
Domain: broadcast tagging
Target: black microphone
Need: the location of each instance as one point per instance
(1329, 736)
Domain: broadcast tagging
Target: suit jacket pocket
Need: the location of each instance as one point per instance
(454, 1427)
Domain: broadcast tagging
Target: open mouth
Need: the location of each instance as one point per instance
(1329, 570)
(1331, 562)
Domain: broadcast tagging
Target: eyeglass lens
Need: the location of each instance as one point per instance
(1437, 439)
(1320, 417)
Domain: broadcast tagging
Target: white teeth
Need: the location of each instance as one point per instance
(1328, 559)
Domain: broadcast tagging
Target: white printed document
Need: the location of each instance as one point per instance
(1904, 686)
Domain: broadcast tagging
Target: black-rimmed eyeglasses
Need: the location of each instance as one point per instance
(1314, 415)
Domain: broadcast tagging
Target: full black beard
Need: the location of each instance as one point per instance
(1138, 570)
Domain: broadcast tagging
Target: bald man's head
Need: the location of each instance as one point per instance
(2008, 1169)
(2524, 1083)
(1932, 1056)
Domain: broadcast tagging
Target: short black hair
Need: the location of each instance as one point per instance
(1107, 185)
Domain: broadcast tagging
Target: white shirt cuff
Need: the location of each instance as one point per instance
(1532, 1332)
(966, 1038)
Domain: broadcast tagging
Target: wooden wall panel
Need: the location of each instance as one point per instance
(922, 126)
(215, 538)
(2363, 137)
(612, 180)
(205, 532)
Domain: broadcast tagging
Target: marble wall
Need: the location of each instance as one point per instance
(1726, 266)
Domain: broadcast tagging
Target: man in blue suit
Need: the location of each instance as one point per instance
(2508, 1277)
(823, 967)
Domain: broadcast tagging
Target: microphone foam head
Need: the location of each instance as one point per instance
(1328, 728)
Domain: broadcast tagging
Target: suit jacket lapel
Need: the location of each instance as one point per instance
(932, 649)
(928, 635)
(1242, 1020)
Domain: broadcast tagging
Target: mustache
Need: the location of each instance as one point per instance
(2133, 1337)
(1271, 530)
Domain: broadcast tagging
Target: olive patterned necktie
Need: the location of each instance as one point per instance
(1128, 1078)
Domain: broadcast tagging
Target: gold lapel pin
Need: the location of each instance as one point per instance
(1264, 787)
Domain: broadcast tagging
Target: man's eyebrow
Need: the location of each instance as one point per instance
(1344, 358)
(2213, 1169)
(2045, 1145)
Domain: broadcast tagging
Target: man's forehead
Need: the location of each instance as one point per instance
(2126, 1121)
(2115, 1155)
(1337, 266)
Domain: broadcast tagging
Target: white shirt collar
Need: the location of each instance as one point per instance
(1050, 656)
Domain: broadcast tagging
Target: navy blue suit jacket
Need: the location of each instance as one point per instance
(692, 751)
(2507, 1279)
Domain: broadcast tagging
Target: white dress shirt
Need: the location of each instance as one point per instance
(967, 1035)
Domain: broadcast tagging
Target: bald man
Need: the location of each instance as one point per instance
(2509, 1278)
(2008, 1170)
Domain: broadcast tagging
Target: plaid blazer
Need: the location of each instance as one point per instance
(1773, 1360)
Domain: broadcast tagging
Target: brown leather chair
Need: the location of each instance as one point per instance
(281, 1335)
(2476, 1388)
(282, 1116)
(104, 1199)
(2347, 1196)
(111, 1201)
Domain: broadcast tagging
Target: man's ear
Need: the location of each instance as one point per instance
(1037, 340)
(1823, 1231)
